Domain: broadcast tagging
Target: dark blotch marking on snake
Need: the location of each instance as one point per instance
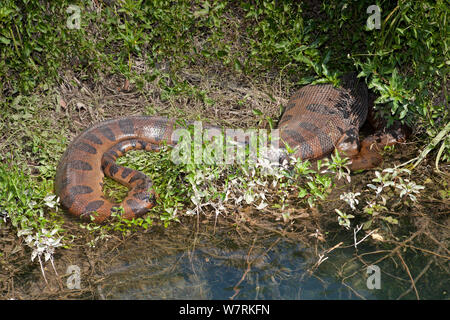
(326, 144)
(305, 148)
(135, 207)
(285, 119)
(76, 190)
(93, 138)
(126, 172)
(93, 206)
(289, 106)
(321, 108)
(68, 200)
(138, 176)
(79, 165)
(108, 133)
(127, 126)
(144, 185)
(113, 168)
(86, 148)
(112, 154)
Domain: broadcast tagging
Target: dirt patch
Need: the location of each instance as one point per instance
(229, 101)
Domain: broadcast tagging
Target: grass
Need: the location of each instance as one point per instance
(231, 62)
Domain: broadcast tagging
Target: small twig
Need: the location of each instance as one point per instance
(323, 257)
(356, 231)
(409, 274)
(354, 291)
(249, 264)
(417, 279)
(428, 251)
(42, 269)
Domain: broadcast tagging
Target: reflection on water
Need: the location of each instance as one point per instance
(273, 269)
(213, 273)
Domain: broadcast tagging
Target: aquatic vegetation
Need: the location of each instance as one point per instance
(389, 184)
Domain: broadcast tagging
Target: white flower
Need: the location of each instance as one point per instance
(50, 201)
(262, 205)
(350, 198)
(409, 189)
(249, 197)
(377, 189)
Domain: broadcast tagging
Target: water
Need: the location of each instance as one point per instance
(271, 269)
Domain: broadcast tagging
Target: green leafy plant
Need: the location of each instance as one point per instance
(344, 218)
(405, 61)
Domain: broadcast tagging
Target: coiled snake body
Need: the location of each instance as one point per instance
(316, 120)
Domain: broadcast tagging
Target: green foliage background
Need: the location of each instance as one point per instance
(405, 62)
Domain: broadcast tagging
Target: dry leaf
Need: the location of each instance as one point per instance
(62, 103)
(377, 236)
(304, 215)
(126, 85)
